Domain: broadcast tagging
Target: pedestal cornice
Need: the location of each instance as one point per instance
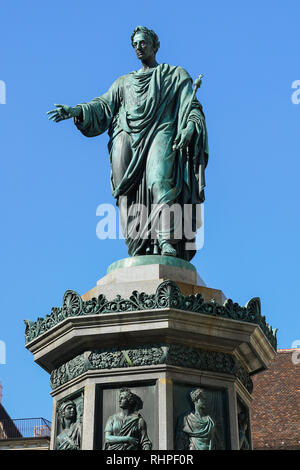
(166, 316)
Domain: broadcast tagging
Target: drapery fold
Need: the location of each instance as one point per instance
(146, 110)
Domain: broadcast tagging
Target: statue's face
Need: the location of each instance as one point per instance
(143, 46)
(124, 400)
(200, 403)
(69, 412)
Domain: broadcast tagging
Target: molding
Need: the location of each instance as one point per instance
(150, 355)
(167, 295)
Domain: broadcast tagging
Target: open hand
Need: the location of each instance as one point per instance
(63, 112)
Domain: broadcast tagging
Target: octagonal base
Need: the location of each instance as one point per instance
(183, 352)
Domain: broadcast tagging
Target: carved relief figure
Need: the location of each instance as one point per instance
(243, 422)
(69, 417)
(197, 430)
(127, 429)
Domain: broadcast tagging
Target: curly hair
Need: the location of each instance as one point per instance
(150, 34)
(198, 393)
(134, 400)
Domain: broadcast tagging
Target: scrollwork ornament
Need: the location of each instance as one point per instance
(167, 295)
(150, 354)
(72, 303)
(253, 307)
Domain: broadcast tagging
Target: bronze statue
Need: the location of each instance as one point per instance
(158, 150)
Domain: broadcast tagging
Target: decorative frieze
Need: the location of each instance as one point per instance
(167, 295)
(150, 354)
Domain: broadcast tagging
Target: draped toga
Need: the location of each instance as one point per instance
(143, 111)
(69, 438)
(195, 432)
(132, 425)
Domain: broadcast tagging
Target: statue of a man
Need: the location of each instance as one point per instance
(127, 429)
(158, 150)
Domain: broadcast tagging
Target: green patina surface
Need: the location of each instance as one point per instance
(167, 295)
(158, 150)
(150, 354)
(148, 260)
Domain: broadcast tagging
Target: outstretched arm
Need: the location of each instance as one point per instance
(95, 117)
(63, 112)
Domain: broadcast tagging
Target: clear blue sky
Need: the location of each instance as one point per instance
(53, 178)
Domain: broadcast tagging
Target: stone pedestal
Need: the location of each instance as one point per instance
(157, 330)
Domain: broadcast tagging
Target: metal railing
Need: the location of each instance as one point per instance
(26, 427)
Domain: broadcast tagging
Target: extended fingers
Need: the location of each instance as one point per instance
(56, 117)
(57, 114)
(54, 114)
(53, 117)
(183, 141)
(52, 111)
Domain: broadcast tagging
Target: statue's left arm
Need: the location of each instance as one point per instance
(146, 444)
(191, 127)
(191, 132)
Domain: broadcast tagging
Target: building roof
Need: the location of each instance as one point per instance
(275, 410)
(7, 426)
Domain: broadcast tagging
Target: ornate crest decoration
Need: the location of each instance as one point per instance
(167, 295)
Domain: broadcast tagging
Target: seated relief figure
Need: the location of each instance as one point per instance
(127, 429)
(70, 437)
(158, 150)
(196, 430)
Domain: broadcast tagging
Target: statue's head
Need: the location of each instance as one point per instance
(129, 400)
(199, 397)
(67, 410)
(145, 42)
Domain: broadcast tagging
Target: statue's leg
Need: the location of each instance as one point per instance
(120, 156)
(161, 181)
(133, 219)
